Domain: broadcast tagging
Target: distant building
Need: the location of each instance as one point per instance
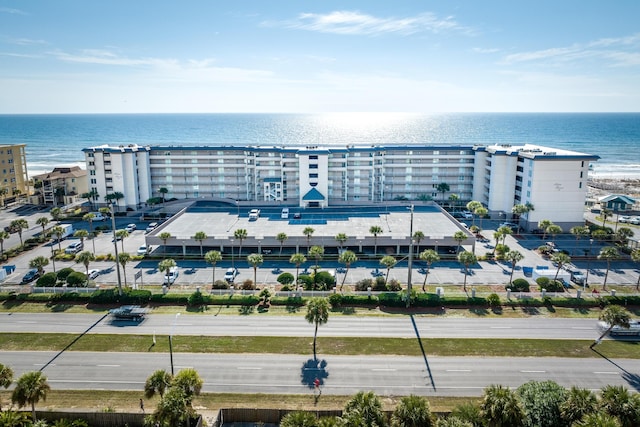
(62, 186)
(617, 202)
(499, 176)
(14, 180)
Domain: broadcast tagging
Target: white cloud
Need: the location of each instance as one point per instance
(12, 11)
(356, 23)
(620, 51)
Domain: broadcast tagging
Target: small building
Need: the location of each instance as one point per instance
(14, 181)
(617, 202)
(62, 186)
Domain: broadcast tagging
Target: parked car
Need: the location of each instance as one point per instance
(97, 216)
(74, 248)
(131, 228)
(297, 215)
(635, 220)
(152, 226)
(467, 215)
(93, 273)
(624, 218)
(285, 213)
(511, 225)
(230, 274)
(31, 275)
(254, 214)
(144, 250)
(171, 276)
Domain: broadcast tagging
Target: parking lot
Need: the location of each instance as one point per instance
(194, 272)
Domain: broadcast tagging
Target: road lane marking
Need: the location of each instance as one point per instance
(108, 366)
(384, 369)
(500, 327)
(248, 368)
(607, 372)
(458, 370)
(533, 372)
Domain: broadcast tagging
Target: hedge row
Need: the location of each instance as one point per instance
(388, 299)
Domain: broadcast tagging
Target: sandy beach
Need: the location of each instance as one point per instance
(602, 186)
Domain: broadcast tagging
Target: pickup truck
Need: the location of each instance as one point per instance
(254, 214)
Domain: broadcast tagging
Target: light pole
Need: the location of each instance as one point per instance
(410, 261)
(115, 247)
(586, 279)
(171, 341)
(233, 265)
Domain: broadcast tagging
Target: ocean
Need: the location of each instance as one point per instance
(57, 140)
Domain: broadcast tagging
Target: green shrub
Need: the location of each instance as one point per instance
(363, 285)
(389, 299)
(335, 300)
(493, 300)
(380, 284)
(555, 286)
(286, 278)
(247, 285)
(64, 272)
(287, 301)
(220, 284)
(543, 282)
(76, 279)
(394, 285)
(47, 280)
(359, 300)
(129, 296)
(305, 281)
(324, 280)
(519, 285)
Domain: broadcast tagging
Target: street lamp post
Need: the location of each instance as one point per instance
(586, 279)
(233, 265)
(171, 341)
(115, 247)
(410, 261)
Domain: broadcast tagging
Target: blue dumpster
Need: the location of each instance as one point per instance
(9, 268)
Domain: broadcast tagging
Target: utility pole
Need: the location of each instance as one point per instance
(410, 262)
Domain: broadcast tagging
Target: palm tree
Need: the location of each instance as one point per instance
(121, 235)
(58, 232)
(364, 409)
(39, 263)
(472, 206)
(4, 235)
(497, 235)
(281, 237)
(513, 257)
(299, 419)
(308, 232)
(6, 377)
(174, 409)
(554, 230)
(579, 403)
(200, 237)
(166, 265)
(613, 315)
(85, 258)
(347, 258)
(81, 234)
(163, 192)
(3, 194)
(520, 210)
(579, 231)
(189, 382)
(560, 259)
(298, 259)
(443, 187)
(318, 314)
(459, 236)
(504, 232)
(213, 257)
(240, 234)
(418, 237)
(481, 212)
(31, 387)
(89, 218)
(19, 225)
(623, 235)
(255, 260)
(341, 238)
(412, 411)
(542, 225)
(501, 408)
(56, 214)
(466, 258)
(635, 256)
(429, 256)
(157, 383)
(375, 230)
(123, 259)
(316, 252)
(164, 236)
(609, 253)
(618, 402)
(597, 419)
(453, 199)
(389, 262)
(606, 213)
(43, 221)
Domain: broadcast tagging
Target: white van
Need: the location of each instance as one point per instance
(171, 277)
(74, 248)
(285, 213)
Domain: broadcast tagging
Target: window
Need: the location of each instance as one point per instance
(313, 175)
(313, 157)
(313, 166)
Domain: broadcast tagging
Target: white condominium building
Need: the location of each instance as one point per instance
(499, 176)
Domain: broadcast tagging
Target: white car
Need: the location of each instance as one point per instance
(92, 274)
(144, 250)
(624, 218)
(131, 228)
(230, 274)
(254, 214)
(635, 220)
(151, 227)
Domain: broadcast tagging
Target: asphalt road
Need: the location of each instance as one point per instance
(265, 373)
(338, 326)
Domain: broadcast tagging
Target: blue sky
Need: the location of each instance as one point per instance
(83, 56)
